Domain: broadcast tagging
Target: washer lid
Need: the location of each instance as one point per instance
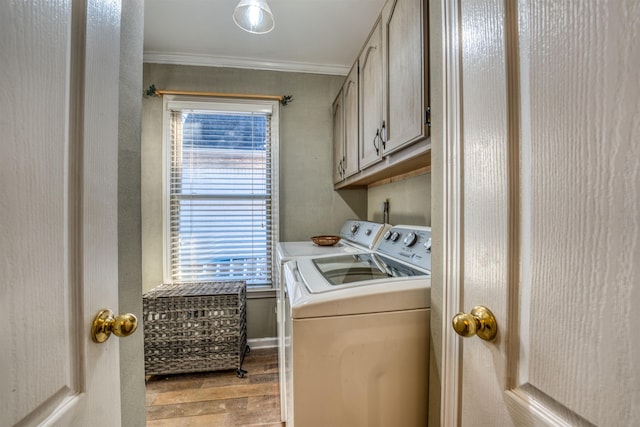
(407, 293)
(333, 273)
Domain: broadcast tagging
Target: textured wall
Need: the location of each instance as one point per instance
(308, 204)
(409, 201)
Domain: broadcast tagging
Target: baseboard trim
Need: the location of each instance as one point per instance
(256, 343)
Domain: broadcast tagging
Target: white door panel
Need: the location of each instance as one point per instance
(58, 91)
(545, 190)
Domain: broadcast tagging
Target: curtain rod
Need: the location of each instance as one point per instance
(283, 99)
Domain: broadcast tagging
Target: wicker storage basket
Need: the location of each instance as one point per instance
(193, 327)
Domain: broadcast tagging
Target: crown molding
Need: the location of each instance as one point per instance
(248, 63)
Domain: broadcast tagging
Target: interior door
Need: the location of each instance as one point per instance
(58, 165)
(543, 182)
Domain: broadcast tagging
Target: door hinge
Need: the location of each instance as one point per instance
(427, 116)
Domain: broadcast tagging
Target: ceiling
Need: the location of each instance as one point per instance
(314, 36)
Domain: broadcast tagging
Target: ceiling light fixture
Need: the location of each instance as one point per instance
(254, 16)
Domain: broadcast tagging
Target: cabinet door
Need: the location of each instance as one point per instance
(404, 35)
(338, 138)
(351, 131)
(371, 99)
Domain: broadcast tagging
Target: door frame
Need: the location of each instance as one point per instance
(452, 219)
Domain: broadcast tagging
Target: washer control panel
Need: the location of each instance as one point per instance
(363, 233)
(411, 244)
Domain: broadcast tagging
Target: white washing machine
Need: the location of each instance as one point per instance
(357, 335)
(356, 236)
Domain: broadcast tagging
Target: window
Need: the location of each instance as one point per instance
(221, 190)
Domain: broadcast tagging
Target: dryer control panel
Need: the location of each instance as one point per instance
(363, 233)
(411, 244)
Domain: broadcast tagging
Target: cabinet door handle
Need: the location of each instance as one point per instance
(375, 138)
(349, 84)
(383, 134)
(366, 55)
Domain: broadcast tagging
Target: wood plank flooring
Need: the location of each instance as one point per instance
(218, 398)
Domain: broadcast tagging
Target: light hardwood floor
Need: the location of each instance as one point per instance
(218, 398)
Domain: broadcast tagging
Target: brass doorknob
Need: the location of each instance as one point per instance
(106, 322)
(480, 321)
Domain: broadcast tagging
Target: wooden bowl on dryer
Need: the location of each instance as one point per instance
(325, 240)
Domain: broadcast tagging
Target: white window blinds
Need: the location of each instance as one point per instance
(220, 196)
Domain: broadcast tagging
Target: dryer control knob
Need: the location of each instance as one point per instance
(410, 239)
(395, 236)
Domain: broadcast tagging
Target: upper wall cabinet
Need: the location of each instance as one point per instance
(351, 122)
(393, 96)
(405, 77)
(338, 138)
(371, 81)
(345, 128)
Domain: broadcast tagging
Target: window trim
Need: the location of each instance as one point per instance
(175, 102)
